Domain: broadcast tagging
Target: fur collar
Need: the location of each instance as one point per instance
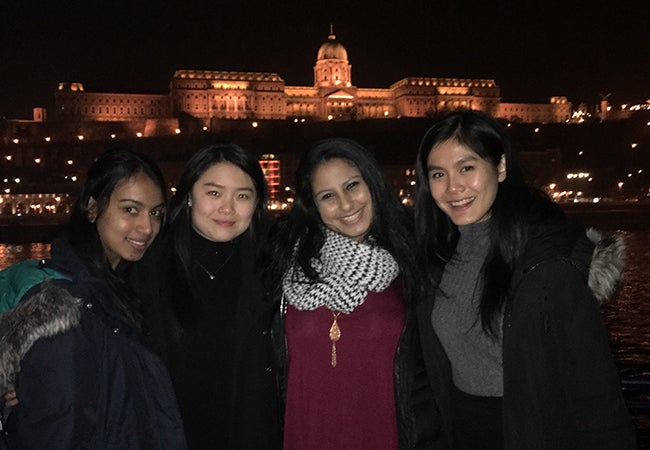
(607, 263)
(49, 311)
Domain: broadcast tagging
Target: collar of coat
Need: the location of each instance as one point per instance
(50, 310)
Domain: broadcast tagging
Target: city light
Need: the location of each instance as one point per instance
(112, 135)
(48, 139)
(634, 144)
(8, 157)
(138, 134)
(80, 137)
(37, 160)
(177, 131)
(16, 141)
(69, 162)
(255, 124)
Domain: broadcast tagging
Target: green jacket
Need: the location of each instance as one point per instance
(19, 278)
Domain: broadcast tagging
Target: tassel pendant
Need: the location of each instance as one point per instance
(335, 335)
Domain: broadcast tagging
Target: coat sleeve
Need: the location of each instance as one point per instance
(594, 392)
(57, 408)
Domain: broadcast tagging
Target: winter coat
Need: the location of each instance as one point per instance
(82, 373)
(418, 417)
(561, 388)
(254, 402)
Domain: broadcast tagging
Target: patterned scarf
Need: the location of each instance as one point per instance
(347, 269)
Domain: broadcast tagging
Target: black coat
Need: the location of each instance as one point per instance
(254, 405)
(95, 384)
(561, 387)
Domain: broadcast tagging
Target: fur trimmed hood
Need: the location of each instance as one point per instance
(49, 311)
(607, 263)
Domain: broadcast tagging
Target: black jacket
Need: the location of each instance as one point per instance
(561, 387)
(419, 423)
(86, 379)
(254, 404)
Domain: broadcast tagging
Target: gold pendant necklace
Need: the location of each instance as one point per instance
(335, 335)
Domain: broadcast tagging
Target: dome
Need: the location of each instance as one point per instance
(332, 49)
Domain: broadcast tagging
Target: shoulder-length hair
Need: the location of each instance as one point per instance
(104, 175)
(391, 223)
(180, 218)
(510, 214)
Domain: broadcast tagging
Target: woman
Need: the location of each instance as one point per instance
(352, 375)
(512, 335)
(206, 308)
(86, 378)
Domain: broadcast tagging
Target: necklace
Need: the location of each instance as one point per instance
(335, 335)
(214, 274)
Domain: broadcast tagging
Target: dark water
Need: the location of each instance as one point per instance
(627, 317)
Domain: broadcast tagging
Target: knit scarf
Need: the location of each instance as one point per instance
(347, 271)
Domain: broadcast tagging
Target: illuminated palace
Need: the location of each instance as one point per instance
(211, 95)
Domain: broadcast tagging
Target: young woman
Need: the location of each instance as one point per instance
(512, 334)
(352, 373)
(86, 378)
(206, 307)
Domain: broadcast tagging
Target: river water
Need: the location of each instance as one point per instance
(627, 317)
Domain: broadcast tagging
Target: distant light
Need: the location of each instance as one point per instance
(37, 160)
(177, 131)
(591, 179)
(385, 113)
(16, 140)
(552, 186)
(629, 175)
(69, 162)
(48, 139)
(624, 106)
(509, 125)
(536, 130)
(138, 134)
(73, 178)
(173, 189)
(255, 124)
(295, 120)
(581, 153)
(302, 120)
(17, 180)
(80, 137)
(112, 135)
(620, 184)
(287, 188)
(609, 108)
(8, 157)
(7, 191)
(596, 199)
(640, 171)
(330, 117)
(634, 144)
(205, 128)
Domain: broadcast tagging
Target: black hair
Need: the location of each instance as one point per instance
(510, 213)
(104, 175)
(391, 223)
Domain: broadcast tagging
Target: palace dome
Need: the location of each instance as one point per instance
(332, 49)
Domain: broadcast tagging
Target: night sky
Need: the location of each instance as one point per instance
(532, 49)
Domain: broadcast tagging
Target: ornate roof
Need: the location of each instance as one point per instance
(332, 49)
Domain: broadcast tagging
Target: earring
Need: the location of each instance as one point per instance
(189, 202)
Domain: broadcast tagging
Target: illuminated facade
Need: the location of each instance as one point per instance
(207, 95)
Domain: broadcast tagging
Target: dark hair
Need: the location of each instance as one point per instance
(108, 171)
(180, 218)
(391, 223)
(510, 214)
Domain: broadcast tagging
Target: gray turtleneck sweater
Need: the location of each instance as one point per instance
(475, 356)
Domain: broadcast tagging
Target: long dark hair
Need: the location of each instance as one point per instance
(109, 170)
(180, 217)
(391, 223)
(510, 214)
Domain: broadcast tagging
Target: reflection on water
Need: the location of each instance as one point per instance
(12, 253)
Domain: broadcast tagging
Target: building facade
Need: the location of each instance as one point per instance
(205, 95)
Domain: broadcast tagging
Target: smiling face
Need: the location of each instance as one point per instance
(223, 202)
(131, 220)
(463, 184)
(342, 198)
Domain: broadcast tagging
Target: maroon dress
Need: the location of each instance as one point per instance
(352, 405)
